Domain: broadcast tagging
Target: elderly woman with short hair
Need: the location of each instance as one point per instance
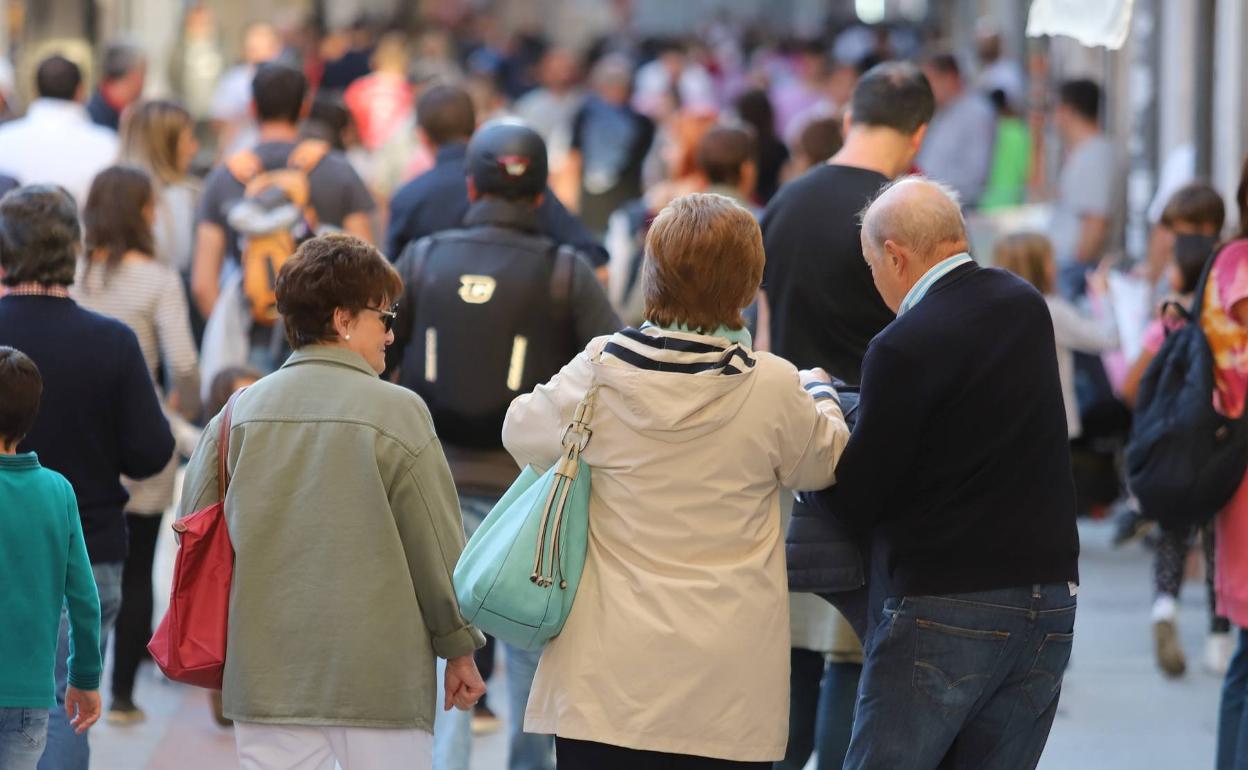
(676, 652)
(346, 529)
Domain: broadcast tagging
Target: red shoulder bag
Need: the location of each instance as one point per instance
(189, 643)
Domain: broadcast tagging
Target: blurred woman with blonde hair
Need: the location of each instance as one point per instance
(158, 136)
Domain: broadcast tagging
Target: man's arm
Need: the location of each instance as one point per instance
(561, 226)
(360, 225)
(206, 266)
(145, 440)
(883, 449)
(1093, 230)
(592, 314)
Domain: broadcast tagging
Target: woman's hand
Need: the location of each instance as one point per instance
(464, 686)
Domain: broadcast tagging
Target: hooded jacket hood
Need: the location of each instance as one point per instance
(672, 386)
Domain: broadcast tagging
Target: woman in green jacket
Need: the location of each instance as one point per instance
(346, 529)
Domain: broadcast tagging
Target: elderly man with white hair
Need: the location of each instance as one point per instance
(958, 474)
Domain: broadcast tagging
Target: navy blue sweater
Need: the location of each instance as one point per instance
(959, 465)
(437, 200)
(100, 416)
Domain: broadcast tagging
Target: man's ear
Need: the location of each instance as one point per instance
(918, 137)
(895, 257)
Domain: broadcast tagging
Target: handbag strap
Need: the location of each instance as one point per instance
(223, 445)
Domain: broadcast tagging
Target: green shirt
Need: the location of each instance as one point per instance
(43, 565)
(346, 529)
(1011, 164)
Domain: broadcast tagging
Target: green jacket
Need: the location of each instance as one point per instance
(346, 529)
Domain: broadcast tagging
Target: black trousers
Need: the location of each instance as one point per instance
(587, 755)
(134, 620)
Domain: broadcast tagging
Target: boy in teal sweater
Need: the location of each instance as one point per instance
(43, 564)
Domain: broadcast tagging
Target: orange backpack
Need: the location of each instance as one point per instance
(274, 216)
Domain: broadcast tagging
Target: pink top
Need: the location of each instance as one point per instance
(1229, 342)
(1228, 284)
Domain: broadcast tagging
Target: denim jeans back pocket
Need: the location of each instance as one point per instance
(952, 665)
(1044, 680)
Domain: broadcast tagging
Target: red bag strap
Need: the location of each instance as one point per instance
(223, 445)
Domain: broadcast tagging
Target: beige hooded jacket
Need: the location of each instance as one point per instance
(678, 640)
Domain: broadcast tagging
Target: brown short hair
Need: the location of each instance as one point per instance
(326, 273)
(21, 388)
(821, 139)
(1026, 255)
(1195, 204)
(704, 262)
(723, 152)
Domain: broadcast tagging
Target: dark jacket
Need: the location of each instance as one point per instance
(958, 471)
(437, 200)
(99, 418)
(500, 246)
(101, 112)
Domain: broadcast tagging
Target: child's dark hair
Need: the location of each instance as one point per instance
(1195, 204)
(21, 388)
(223, 387)
(1191, 253)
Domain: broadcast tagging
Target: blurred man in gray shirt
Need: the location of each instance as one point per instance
(958, 147)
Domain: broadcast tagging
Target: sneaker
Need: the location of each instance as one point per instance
(123, 712)
(484, 721)
(218, 714)
(1218, 651)
(1169, 651)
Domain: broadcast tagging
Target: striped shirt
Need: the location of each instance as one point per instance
(929, 279)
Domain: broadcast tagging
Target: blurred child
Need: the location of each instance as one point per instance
(223, 386)
(1191, 223)
(43, 565)
(1030, 256)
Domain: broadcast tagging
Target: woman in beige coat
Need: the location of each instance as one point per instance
(676, 652)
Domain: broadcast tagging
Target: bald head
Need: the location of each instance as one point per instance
(912, 224)
(916, 213)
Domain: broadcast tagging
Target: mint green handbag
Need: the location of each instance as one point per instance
(518, 575)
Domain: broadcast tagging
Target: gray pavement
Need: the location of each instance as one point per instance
(1117, 712)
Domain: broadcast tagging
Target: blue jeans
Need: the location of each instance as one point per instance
(452, 730)
(1233, 716)
(66, 750)
(821, 710)
(23, 734)
(525, 751)
(963, 681)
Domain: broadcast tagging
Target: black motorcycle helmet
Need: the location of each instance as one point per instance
(508, 159)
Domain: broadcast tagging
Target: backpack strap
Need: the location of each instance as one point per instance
(245, 166)
(561, 277)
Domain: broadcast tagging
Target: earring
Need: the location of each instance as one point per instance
(348, 336)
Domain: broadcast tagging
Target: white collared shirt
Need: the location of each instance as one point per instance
(56, 143)
(934, 274)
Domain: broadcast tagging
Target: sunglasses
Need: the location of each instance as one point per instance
(387, 316)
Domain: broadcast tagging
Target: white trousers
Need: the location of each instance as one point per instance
(300, 747)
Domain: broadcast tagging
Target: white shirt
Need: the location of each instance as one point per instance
(56, 143)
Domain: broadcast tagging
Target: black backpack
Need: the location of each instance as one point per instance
(1184, 460)
(486, 326)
